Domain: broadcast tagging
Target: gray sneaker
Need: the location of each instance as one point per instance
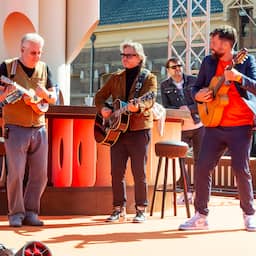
(197, 222)
(139, 217)
(250, 222)
(118, 214)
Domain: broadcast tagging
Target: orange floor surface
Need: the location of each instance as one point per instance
(91, 236)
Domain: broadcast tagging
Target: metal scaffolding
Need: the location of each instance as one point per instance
(239, 4)
(189, 28)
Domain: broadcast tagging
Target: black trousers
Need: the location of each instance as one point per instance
(133, 145)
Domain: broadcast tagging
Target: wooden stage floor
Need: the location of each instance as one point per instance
(91, 236)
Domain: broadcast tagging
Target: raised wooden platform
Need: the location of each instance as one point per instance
(98, 200)
(84, 201)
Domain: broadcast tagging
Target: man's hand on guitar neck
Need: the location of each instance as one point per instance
(204, 95)
(233, 75)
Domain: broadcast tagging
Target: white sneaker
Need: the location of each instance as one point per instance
(181, 199)
(250, 222)
(197, 222)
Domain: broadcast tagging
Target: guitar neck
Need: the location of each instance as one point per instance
(124, 109)
(6, 80)
(31, 94)
(121, 111)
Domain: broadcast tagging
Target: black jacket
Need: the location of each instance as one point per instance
(172, 97)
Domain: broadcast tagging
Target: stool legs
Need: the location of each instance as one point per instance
(165, 186)
(155, 186)
(174, 187)
(174, 190)
(185, 188)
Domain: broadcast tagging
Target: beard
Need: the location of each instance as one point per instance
(217, 55)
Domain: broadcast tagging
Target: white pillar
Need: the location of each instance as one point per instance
(52, 26)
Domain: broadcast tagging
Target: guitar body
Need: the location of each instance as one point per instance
(107, 132)
(119, 120)
(39, 105)
(211, 112)
(103, 134)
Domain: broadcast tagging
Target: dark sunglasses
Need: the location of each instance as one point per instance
(175, 66)
(128, 55)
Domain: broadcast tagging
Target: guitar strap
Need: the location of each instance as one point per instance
(141, 78)
(13, 68)
(14, 96)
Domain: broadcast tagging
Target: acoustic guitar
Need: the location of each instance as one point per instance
(211, 112)
(107, 131)
(39, 105)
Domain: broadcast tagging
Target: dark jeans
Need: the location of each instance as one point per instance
(133, 144)
(216, 140)
(194, 139)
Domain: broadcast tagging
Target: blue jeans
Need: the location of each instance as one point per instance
(133, 145)
(237, 140)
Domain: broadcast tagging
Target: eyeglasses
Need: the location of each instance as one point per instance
(175, 66)
(34, 53)
(128, 55)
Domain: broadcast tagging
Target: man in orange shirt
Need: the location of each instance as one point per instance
(233, 129)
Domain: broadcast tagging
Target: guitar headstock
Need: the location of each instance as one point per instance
(241, 56)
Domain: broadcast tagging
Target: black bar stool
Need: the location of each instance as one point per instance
(173, 150)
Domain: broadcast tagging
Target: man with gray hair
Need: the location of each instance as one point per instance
(26, 90)
(132, 143)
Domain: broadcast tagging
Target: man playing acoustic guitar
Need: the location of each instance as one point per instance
(27, 88)
(132, 143)
(230, 127)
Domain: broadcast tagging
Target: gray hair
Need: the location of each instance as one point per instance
(32, 37)
(137, 47)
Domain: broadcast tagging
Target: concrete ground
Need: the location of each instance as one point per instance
(91, 236)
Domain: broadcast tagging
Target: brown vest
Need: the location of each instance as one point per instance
(20, 113)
